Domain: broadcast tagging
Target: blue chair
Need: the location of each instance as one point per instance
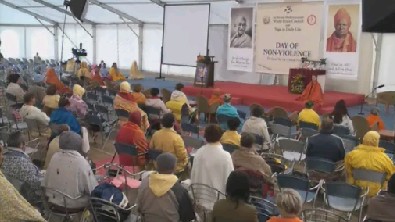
(341, 130)
(190, 128)
(127, 154)
(122, 113)
(230, 147)
(303, 124)
(265, 208)
(388, 146)
(300, 184)
(222, 120)
(153, 153)
(242, 114)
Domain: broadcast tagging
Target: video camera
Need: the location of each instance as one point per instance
(79, 52)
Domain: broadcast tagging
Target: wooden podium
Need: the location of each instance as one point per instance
(204, 74)
(299, 78)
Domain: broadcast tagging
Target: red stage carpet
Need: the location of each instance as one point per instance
(270, 96)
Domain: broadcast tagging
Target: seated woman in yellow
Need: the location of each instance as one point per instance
(124, 100)
(308, 115)
(137, 95)
(369, 156)
(84, 71)
(115, 74)
(134, 72)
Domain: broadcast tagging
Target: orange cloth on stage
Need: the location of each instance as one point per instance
(334, 44)
(312, 92)
(372, 119)
(52, 78)
(215, 97)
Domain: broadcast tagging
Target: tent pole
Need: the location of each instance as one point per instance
(140, 47)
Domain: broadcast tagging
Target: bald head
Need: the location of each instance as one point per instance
(166, 163)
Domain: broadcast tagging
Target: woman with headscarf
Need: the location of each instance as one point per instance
(84, 71)
(312, 92)
(52, 78)
(130, 133)
(135, 74)
(77, 105)
(369, 156)
(14, 88)
(341, 39)
(124, 100)
(115, 74)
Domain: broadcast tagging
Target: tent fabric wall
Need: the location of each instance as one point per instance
(386, 70)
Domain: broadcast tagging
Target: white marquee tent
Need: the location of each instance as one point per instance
(126, 30)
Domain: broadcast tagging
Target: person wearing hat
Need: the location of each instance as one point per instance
(373, 118)
(77, 105)
(14, 88)
(308, 115)
(227, 110)
(369, 156)
(70, 173)
(381, 207)
(341, 40)
(130, 133)
(125, 100)
(161, 197)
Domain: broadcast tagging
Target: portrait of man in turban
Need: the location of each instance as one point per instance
(341, 40)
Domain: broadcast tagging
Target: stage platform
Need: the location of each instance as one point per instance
(272, 95)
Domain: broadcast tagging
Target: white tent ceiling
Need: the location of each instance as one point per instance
(147, 11)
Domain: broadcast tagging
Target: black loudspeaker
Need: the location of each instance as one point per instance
(79, 8)
(378, 16)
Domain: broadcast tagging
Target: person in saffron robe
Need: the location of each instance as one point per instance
(241, 39)
(215, 97)
(341, 39)
(134, 72)
(84, 71)
(138, 96)
(52, 78)
(115, 74)
(312, 92)
(96, 78)
(125, 100)
(374, 118)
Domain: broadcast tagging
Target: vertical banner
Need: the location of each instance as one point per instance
(342, 40)
(241, 42)
(286, 32)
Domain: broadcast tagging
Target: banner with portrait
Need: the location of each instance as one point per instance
(342, 40)
(285, 33)
(241, 39)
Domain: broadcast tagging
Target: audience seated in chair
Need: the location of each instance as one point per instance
(63, 116)
(179, 96)
(247, 158)
(29, 111)
(308, 114)
(168, 141)
(103, 71)
(115, 74)
(227, 109)
(215, 97)
(290, 205)
(231, 136)
(369, 156)
(325, 144)
(374, 118)
(14, 207)
(156, 102)
(38, 92)
(51, 99)
(52, 79)
(257, 125)
(53, 146)
(235, 207)
(161, 197)
(18, 167)
(70, 173)
(381, 207)
(124, 100)
(84, 72)
(77, 105)
(212, 164)
(138, 96)
(130, 133)
(340, 115)
(14, 87)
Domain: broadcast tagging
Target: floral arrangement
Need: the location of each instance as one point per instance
(297, 84)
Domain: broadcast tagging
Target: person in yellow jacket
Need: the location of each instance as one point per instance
(115, 74)
(308, 115)
(84, 71)
(369, 156)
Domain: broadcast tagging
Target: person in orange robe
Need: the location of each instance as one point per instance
(312, 92)
(215, 97)
(374, 118)
(341, 40)
(52, 78)
(95, 73)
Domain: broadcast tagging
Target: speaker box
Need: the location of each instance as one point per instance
(79, 8)
(378, 16)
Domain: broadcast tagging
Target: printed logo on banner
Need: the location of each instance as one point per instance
(241, 44)
(287, 32)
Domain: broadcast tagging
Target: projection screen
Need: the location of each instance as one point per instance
(185, 33)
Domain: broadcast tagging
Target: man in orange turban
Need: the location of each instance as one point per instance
(341, 39)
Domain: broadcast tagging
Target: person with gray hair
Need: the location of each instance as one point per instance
(70, 173)
(290, 204)
(227, 110)
(161, 197)
(240, 39)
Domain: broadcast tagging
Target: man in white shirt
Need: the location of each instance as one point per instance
(69, 173)
(29, 111)
(156, 102)
(212, 164)
(256, 125)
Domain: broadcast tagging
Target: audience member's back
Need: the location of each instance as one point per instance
(325, 144)
(381, 207)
